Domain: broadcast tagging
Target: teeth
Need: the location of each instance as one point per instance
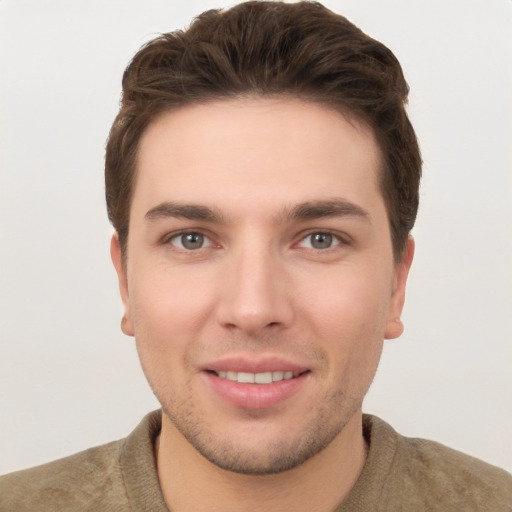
(263, 378)
(277, 376)
(246, 378)
(255, 378)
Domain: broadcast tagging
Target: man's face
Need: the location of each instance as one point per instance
(260, 281)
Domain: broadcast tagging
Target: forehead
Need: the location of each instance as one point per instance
(255, 151)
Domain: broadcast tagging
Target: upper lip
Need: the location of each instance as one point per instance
(253, 365)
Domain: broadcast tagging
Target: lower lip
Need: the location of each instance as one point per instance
(255, 396)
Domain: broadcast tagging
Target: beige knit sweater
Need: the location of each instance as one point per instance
(401, 475)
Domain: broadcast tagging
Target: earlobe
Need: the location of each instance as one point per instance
(395, 327)
(119, 265)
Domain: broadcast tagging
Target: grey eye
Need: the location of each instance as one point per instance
(189, 241)
(321, 240)
(192, 240)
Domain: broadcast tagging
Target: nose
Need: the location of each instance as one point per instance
(256, 296)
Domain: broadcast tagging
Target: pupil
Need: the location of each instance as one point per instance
(192, 240)
(321, 241)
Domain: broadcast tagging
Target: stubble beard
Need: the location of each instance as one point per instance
(270, 456)
(315, 427)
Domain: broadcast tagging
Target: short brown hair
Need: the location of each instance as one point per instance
(270, 48)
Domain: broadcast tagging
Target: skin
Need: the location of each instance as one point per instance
(265, 284)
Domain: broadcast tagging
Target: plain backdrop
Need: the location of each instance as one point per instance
(69, 378)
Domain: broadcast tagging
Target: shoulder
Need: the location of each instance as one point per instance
(430, 476)
(89, 480)
(116, 477)
(442, 473)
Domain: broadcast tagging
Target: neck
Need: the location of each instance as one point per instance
(321, 484)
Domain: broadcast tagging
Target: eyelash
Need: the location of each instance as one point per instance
(177, 235)
(337, 239)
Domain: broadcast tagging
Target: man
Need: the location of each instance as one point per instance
(262, 177)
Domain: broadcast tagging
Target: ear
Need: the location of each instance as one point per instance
(120, 266)
(395, 327)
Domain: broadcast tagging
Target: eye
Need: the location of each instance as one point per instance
(190, 241)
(319, 240)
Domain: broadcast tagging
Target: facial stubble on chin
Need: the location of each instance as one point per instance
(321, 422)
(272, 456)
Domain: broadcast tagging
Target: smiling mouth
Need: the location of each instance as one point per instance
(258, 378)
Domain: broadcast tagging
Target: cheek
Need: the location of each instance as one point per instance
(165, 325)
(348, 315)
(168, 311)
(349, 303)
(168, 299)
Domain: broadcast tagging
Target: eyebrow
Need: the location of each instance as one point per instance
(308, 210)
(311, 210)
(184, 211)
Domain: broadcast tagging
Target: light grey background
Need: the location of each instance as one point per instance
(70, 379)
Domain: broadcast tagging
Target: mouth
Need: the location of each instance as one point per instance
(257, 378)
(256, 383)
